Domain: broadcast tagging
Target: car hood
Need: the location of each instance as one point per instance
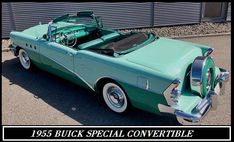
(165, 55)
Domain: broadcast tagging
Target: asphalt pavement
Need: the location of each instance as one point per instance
(39, 98)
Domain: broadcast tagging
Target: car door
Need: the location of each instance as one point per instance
(59, 60)
(56, 57)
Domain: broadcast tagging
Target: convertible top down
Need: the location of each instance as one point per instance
(155, 74)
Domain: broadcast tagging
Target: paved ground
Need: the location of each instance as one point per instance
(39, 98)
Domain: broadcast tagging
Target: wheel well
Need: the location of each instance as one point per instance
(101, 82)
(17, 50)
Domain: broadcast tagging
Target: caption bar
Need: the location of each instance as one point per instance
(114, 132)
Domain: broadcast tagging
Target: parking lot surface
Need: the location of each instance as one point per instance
(39, 98)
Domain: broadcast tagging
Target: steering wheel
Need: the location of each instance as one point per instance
(70, 42)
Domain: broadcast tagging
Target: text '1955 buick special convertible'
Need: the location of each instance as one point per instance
(155, 74)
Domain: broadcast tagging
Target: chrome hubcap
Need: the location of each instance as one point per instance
(25, 59)
(115, 97)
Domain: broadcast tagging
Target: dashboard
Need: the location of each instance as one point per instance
(69, 34)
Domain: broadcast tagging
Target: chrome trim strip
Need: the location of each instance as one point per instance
(80, 77)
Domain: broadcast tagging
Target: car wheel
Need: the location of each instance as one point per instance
(115, 98)
(24, 59)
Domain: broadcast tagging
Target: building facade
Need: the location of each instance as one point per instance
(119, 15)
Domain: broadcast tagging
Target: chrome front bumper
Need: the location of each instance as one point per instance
(202, 108)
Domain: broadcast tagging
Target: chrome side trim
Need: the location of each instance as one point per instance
(196, 74)
(79, 76)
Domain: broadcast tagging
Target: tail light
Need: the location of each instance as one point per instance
(172, 93)
(175, 93)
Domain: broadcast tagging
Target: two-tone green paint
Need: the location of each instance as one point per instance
(139, 96)
(55, 68)
(157, 63)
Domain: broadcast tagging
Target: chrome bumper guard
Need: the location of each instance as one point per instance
(210, 101)
(202, 108)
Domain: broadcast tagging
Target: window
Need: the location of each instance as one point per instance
(214, 11)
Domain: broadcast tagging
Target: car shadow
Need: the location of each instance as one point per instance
(76, 102)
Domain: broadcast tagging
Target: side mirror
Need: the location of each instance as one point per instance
(99, 22)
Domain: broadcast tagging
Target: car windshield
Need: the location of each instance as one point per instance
(82, 20)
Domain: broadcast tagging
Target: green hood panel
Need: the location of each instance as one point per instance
(165, 55)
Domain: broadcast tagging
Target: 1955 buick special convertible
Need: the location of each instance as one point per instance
(155, 74)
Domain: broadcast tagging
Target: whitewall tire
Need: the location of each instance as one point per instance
(24, 59)
(115, 98)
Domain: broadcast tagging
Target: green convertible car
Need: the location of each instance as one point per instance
(155, 74)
